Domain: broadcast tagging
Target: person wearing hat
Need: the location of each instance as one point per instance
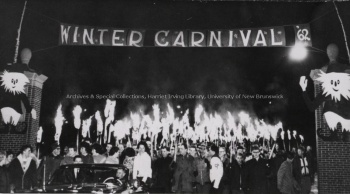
(12, 93)
(257, 172)
(52, 163)
(302, 170)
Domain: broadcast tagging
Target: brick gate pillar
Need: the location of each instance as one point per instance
(333, 157)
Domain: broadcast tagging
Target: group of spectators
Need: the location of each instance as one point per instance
(201, 168)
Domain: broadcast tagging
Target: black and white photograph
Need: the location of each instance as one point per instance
(175, 96)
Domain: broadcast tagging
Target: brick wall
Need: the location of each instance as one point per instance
(34, 93)
(333, 159)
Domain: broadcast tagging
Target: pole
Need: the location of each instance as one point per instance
(19, 33)
(77, 140)
(274, 145)
(38, 150)
(44, 176)
(342, 26)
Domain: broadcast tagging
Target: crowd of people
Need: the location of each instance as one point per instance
(181, 168)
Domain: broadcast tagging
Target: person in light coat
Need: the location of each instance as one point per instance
(216, 168)
(142, 164)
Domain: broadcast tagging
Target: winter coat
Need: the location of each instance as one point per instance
(4, 180)
(257, 176)
(202, 166)
(297, 168)
(23, 179)
(237, 175)
(88, 159)
(184, 173)
(52, 163)
(285, 179)
(163, 172)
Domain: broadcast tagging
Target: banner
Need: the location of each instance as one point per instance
(302, 34)
(243, 37)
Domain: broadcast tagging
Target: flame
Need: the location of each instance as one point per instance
(295, 134)
(39, 135)
(59, 119)
(301, 138)
(86, 127)
(244, 118)
(207, 126)
(99, 121)
(77, 113)
(282, 134)
(197, 113)
(289, 136)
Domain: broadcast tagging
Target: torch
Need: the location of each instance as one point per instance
(282, 137)
(289, 138)
(274, 145)
(295, 137)
(59, 119)
(99, 125)
(38, 139)
(109, 114)
(77, 121)
(301, 139)
(86, 127)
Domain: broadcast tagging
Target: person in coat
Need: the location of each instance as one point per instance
(216, 169)
(163, 172)
(183, 171)
(51, 162)
(202, 165)
(237, 175)
(22, 171)
(285, 180)
(257, 173)
(302, 170)
(4, 179)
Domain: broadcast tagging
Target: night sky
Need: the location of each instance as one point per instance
(150, 70)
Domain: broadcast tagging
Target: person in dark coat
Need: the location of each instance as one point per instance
(163, 172)
(77, 175)
(302, 170)
(184, 171)
(310, 157)
(202, 164)
(257, 173)
(22, 170)
(4, 179)
(237, 175)
(85, 153)
(224, 186)
(51, 162)
(274, 164)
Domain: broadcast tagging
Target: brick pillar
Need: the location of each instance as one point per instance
(33, 91)
(333, 157)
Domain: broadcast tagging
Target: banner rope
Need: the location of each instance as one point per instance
(53, 19)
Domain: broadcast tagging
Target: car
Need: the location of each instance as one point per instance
(87, 178)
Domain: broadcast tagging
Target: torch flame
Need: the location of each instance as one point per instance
(99, 121)
(301, 138)
(59, 119)
(77, 113)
